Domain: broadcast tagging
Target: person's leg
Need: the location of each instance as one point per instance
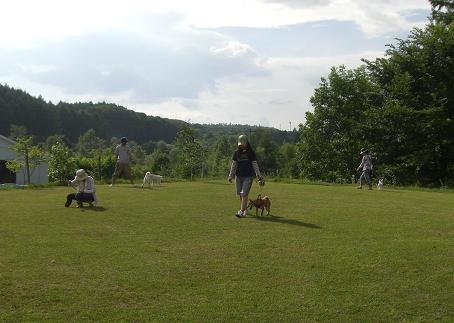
(127, 172)
(367, 178)
(84, 197)
(239, 187)
(361, 180)
(244, 200)
(69, 199)
(246, 187)
(116, 173)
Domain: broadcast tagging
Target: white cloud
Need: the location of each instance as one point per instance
(155, 56)
(105, 63)
(24, 21)
(277, 98)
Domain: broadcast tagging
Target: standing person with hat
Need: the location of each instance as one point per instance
(244, 166)
(366, 167)
(86, 190)
(124, 157)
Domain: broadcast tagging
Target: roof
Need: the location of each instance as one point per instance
(7, 140)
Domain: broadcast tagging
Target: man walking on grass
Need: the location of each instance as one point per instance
(366, 167)
(124, 157)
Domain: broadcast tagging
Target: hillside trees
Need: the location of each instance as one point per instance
(401, 107)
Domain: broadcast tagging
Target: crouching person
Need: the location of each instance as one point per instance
(86, 190)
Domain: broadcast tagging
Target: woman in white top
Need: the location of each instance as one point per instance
(86, 190)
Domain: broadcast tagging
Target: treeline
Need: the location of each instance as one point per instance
(43, 119)
(189, 156)
(401, 107)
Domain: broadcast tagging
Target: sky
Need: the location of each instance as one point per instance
(253, 62)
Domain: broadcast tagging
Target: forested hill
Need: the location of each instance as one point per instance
(43, 119)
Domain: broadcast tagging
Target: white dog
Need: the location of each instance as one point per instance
(151, 179)
(380, 184)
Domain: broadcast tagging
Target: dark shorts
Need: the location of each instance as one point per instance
(79, 197)
(122, 168)
(243, 185)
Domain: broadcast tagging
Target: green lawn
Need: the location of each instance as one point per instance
(178, 253)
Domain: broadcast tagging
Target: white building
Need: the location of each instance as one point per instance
(38, 175)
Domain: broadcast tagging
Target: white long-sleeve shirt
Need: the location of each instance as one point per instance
(366, 163)
(85, 186)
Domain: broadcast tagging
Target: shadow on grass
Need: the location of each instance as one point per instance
(93, 209)
(145, 187)
(217, 183)
(279, 219)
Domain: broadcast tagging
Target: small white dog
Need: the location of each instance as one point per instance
(380, 184)
(151, 179)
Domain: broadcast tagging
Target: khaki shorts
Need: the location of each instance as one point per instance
(122, 168)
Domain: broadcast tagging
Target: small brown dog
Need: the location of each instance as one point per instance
(260, 203)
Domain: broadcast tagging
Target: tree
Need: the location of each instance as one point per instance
(28, 157)
(442, 11)
(417, 80)
(333, 134)
(267, 155)
(53, 139)
(191, 153)
(221, 156)
(61, 163)
(89, 143)
(17, 131)
(287, 162)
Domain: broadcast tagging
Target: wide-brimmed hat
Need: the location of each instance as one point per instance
(124, 139)
(364, 151)
(242, 140)
(81, 175)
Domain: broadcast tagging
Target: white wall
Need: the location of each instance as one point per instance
(38, 175)
(6, 153)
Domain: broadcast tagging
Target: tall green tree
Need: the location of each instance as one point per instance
(442, 11)
(334, 132)
(61, 163)
(89, 143)
(221, 157)
(191, 152)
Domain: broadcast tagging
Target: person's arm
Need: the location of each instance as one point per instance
(130, 155)
(362, 163)
(233, 168)
(255, 166)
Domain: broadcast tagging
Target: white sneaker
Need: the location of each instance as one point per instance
(244, 213)
(111, 185)
(239, 214)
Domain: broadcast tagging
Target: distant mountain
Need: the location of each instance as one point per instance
(43, 119)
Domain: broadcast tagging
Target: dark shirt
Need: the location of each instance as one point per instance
(244, 158)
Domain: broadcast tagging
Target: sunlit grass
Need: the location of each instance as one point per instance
(178, 253)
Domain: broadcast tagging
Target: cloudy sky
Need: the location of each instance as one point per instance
(207, 61)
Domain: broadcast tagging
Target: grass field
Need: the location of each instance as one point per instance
(178, 253)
